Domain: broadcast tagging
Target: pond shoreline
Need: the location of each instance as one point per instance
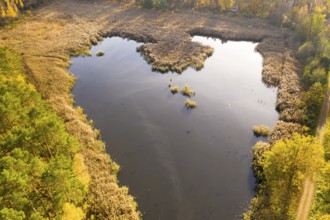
(167, 140)
(61, 28)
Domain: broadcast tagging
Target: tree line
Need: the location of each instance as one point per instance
(11, 8)
(37, 156)
(321, 208)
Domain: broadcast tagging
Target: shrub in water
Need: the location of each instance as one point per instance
(187, 91)
(190, 104)
(100, 53)
(261, 130)
(175, 89)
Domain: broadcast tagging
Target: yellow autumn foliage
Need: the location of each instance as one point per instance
(80, 169)
(10, 8)
(71, 212)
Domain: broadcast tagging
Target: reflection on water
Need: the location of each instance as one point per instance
(179, 163)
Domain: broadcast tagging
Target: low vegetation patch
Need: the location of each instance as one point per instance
(100, 53)
(190, 104)
(187, 91)
(175, 89)
(85, 52)
(163, 57)
(261, 130)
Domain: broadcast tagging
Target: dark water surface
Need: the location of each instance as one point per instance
(180, 164)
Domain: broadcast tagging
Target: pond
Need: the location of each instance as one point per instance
(179, 163)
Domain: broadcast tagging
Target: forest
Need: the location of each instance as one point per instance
(41, 176)
(43, 173)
